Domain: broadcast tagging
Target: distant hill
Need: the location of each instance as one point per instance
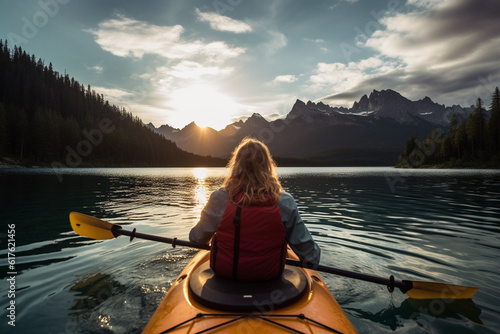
(52, 120)
(372, 132)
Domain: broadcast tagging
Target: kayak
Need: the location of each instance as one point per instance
(200, 302)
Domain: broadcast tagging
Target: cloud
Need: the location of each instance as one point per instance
(97, 69)
(447, 49)
(340, 2)
(191, 65)
(223, 23)
(315, 40)
(273, 116)
(112, 94)
(126, 37)
(276, 40)
(191, 70)
(441, 35)
(285, 78)
(339, 77)
(319, 42)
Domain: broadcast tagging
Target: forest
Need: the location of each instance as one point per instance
(49, 119)
(472, 142)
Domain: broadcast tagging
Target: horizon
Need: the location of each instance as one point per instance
(171, 63)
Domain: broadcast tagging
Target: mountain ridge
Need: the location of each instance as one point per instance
(375, 125)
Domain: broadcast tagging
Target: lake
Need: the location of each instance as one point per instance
(436, 225)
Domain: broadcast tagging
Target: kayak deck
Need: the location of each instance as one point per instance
(313, 310)
(239, 296)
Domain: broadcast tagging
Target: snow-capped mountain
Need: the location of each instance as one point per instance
(391, 104)
(372, 132)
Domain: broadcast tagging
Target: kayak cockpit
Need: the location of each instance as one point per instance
(199, 302)
(230, 295)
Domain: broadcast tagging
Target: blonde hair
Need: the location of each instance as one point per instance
(253, 171)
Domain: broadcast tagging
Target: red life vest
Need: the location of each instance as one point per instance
(250, 243)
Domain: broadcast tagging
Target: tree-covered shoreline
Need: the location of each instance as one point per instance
(470, 143)
(49, 119)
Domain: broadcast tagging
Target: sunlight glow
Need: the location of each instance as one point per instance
(200, 190)
(203, 104)
(200, 174)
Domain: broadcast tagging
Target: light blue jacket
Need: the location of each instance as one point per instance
(297, 234)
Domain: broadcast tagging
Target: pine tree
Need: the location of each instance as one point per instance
(459, 141)
(407, 158)
(446, 150)
(493, 125)
(452, 134)
(18, 130)
(4, 135)
(476, 130)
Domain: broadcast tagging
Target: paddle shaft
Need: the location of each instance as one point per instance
(402, 285)
(117, 230)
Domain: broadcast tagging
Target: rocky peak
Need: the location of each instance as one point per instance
(256, 120)
(256, 115)
(231, 129)
(298, 109)
(362, 105)
(310, 104)
(387, 99)
(190, 126)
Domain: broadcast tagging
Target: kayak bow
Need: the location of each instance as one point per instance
(199, 302)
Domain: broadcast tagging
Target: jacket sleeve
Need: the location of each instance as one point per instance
(298, 236)
(211, 216)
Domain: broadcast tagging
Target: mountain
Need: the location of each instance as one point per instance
(232, 129)
(166, 130)
(372, 132)
(193, 138)
(391, 104)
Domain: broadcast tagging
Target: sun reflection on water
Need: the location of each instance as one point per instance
(201, 193)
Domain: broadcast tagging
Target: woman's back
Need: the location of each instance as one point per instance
(251, 223)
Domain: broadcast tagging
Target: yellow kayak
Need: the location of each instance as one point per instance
(200, 302)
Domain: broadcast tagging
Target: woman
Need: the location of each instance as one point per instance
(253, 219)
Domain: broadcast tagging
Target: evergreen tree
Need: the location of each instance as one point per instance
(407, 158)
(446, 150)
(46, 136)
(476, 130)
(493, 125)
(18, 131)
(453, 137)
(460, 141)
(4, 135)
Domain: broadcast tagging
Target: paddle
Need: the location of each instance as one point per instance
(95, 228)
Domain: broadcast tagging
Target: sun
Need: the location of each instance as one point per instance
(204, 104)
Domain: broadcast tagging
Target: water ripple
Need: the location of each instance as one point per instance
(433, 225)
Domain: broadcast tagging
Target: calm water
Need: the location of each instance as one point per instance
(441, 225)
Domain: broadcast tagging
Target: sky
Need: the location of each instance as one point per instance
(216, 61)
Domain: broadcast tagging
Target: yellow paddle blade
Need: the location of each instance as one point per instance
(88, 226)
(433, 290)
